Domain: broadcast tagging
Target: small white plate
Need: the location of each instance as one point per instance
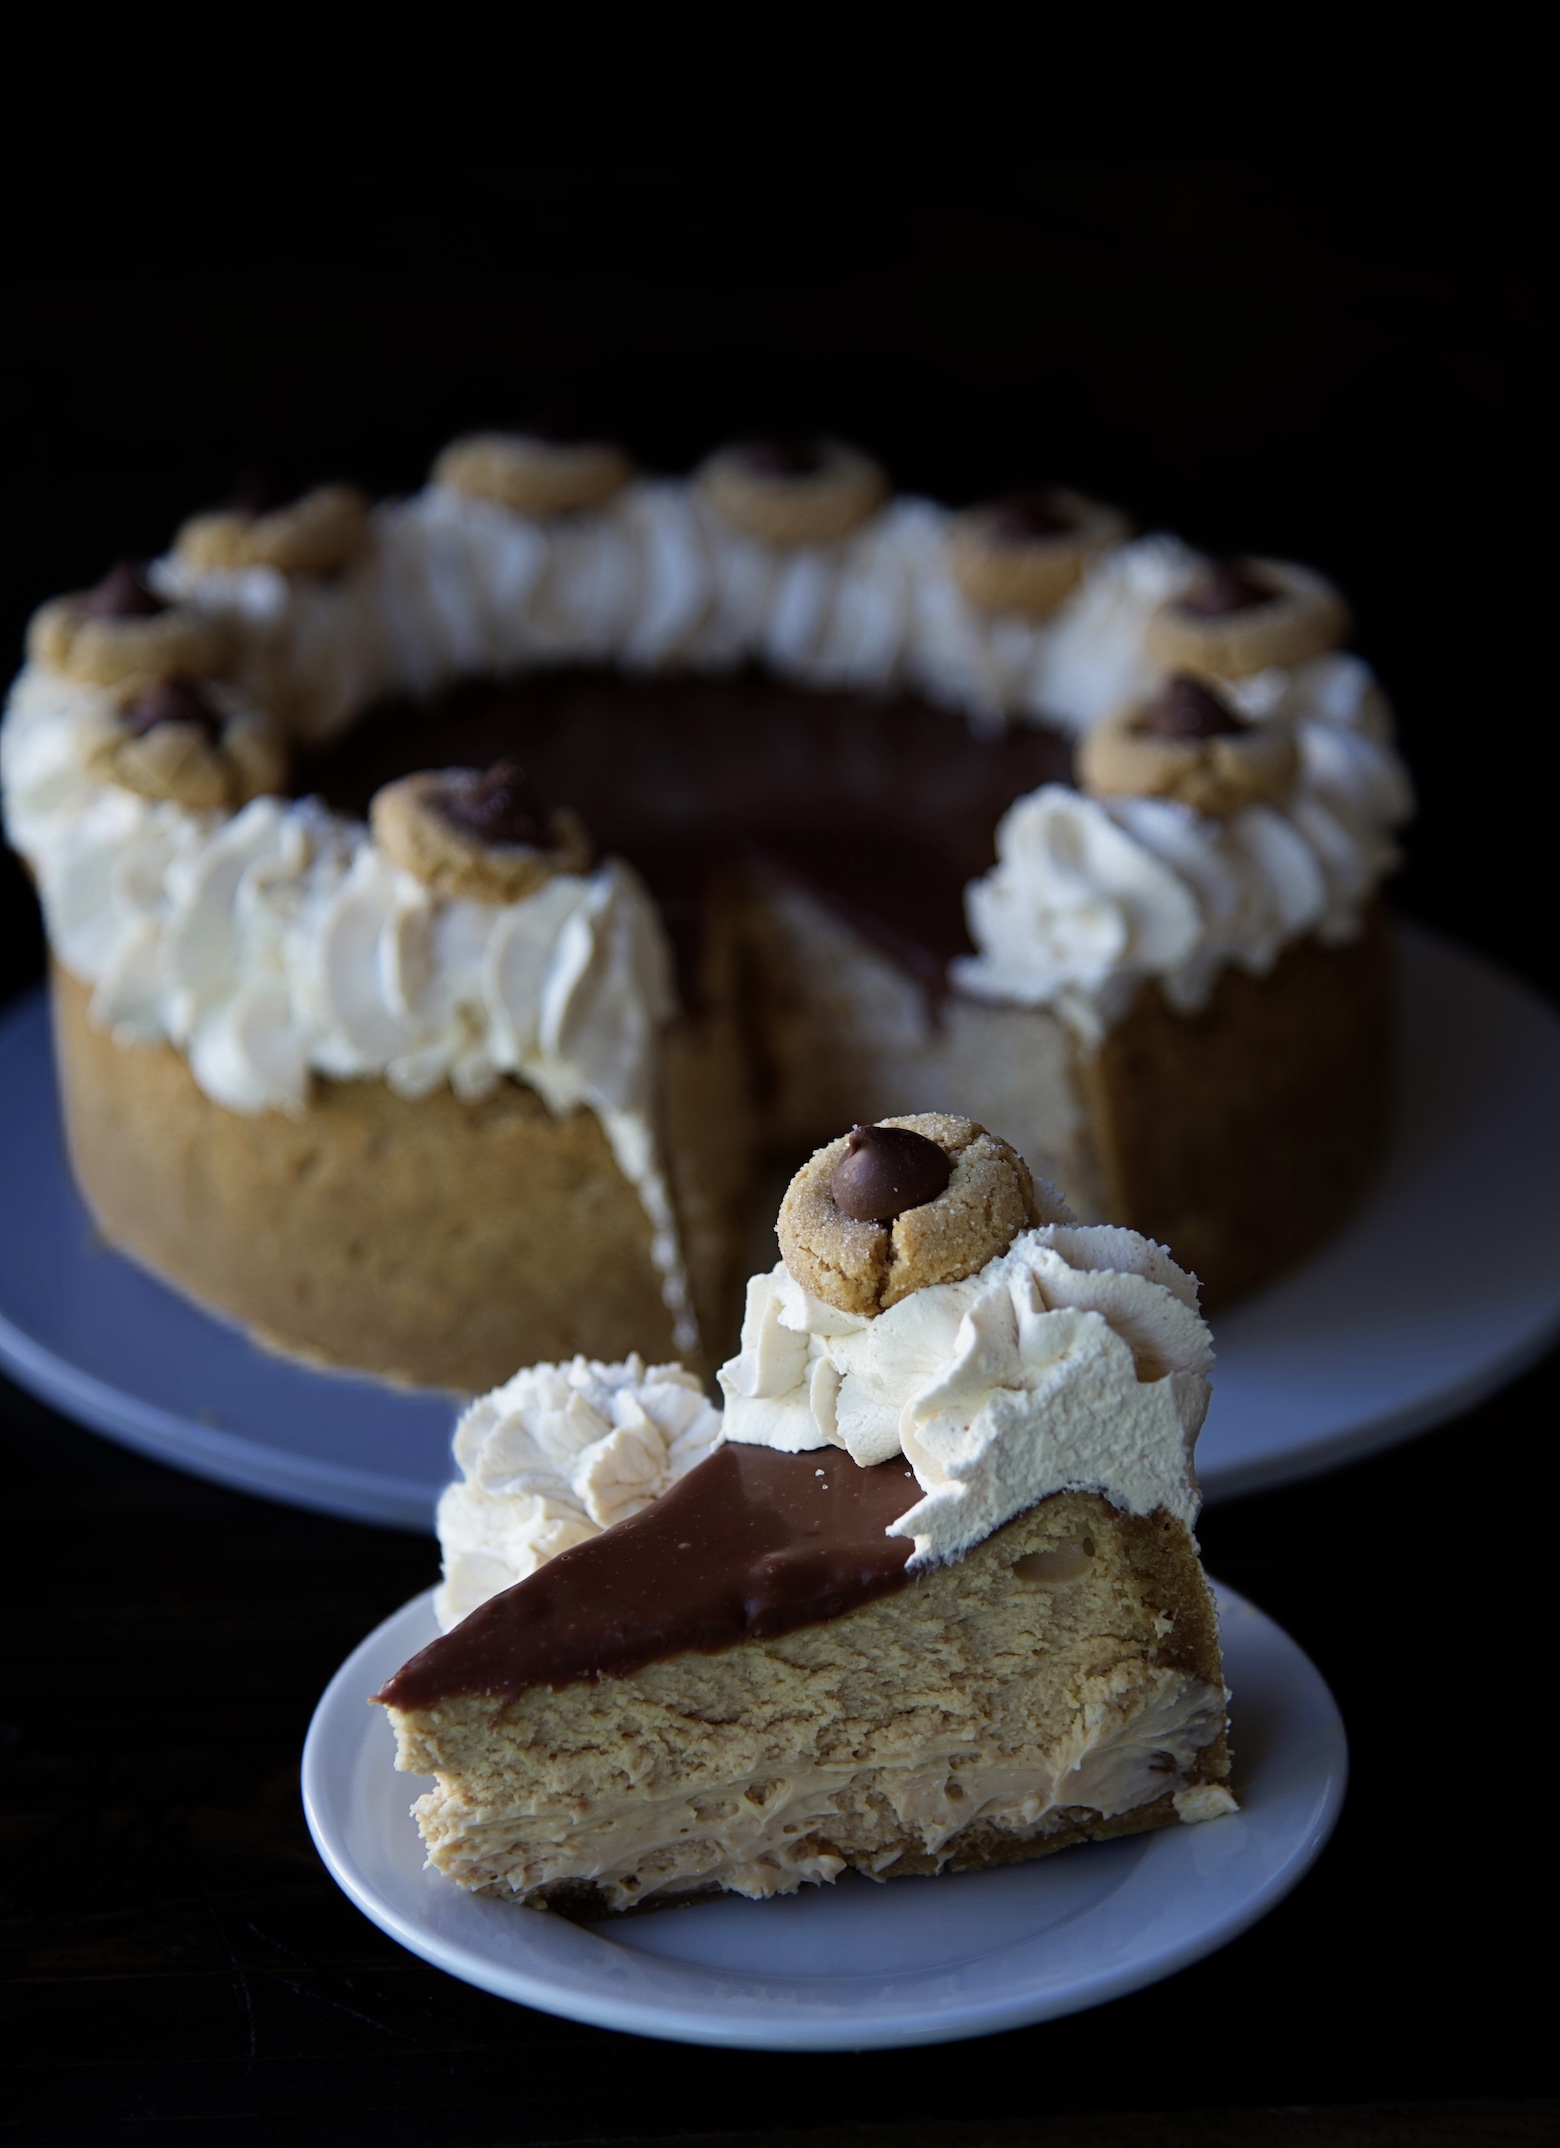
(1379, 1336)
(857, 1965)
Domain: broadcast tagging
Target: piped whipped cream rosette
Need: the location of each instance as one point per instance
(554, 1457)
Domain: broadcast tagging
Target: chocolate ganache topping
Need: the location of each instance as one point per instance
(122, 594)
(171, 701)
(887, 1169)
(1225, 587)
(882, 807)
(750, 1544)
(502, 805)
(1188, 708)
(1022, 517)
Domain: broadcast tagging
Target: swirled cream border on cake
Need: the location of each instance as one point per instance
(278, 943)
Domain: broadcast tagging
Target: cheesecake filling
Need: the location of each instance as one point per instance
(1134, 1738)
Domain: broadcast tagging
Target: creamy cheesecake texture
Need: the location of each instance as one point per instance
(1061, 1683)
(931, 1600)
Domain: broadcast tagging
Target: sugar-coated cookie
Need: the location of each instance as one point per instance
(122, 630)
(479, 834)
(1242, 615)
(864, 1265)
(532, 475)
(1186, 742)
(192, 743)
(320, 533)
(1025, 553)
(794, 492)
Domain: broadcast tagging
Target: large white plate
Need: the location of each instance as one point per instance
(856, 1965)
(1384, 1333)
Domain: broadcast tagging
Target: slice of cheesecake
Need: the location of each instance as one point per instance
(934, 1603)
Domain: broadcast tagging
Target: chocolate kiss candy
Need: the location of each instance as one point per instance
(887, 1169)
(1021, 517)
(1226, 587)
(123, 595)
(501, 805)
(1187, 708)
(171, 701)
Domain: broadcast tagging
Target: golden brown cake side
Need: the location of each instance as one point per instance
(1244, 1135)
(433, 1240)
(1061, 1682)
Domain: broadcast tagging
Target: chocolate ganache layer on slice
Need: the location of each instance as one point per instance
(883, 808)
(750, 1544)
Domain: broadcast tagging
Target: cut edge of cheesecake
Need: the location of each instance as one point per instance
(1062, 1682)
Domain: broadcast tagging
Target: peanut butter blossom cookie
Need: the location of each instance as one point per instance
(460, 899)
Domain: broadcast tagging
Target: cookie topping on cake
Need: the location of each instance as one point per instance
(319, 533)
(887, 1169)
(862, 1259)
(191, 742)
(123, 594)
(1225, 587)
(794, 492)
(1188, 708)
(502, 805)
(483, 835)
(122, 630)
(1025, 553)
(1189, 743)
(533, 473)
(1237, 617)
(179, 701)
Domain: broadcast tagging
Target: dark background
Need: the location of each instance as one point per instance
(1326, 341)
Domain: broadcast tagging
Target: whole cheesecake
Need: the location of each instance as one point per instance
(454, 902)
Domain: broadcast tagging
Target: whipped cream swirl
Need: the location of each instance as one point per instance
(1090, 897)
(279, 944)
(449, 585)
(1075, 1361)
(554, 1457)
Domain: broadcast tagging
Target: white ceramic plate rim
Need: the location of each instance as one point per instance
(1294, 1786)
